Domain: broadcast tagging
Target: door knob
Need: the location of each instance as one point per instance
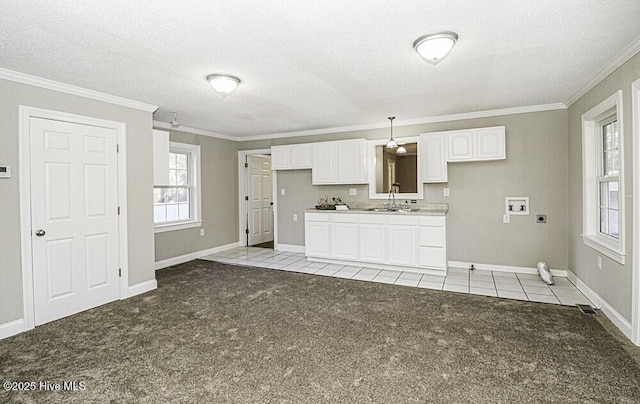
(40, 232)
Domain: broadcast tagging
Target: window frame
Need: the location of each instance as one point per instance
(195, 185)
(593, 175)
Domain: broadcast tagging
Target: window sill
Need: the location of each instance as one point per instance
(605, 247)
(161, 228)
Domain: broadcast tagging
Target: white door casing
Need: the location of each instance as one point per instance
(260, 214)
(74, 217)
(98, 235)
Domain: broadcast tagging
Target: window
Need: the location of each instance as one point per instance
(608, 180)
(603, 202)
(177, 205)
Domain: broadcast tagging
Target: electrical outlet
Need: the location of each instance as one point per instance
(599, 262)
(446, 192)
(282, 191)
(201, 232)
(506, 219)
(353, 192)
(295, 217)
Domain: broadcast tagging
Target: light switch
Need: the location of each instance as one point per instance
(353, 191)
(282, 191)
(446, 192)
(506, 218)
(295, 217)
(5, 171)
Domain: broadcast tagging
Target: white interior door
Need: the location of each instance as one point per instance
(260, 212)
(74, 217)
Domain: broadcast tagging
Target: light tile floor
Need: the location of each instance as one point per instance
(478, 282)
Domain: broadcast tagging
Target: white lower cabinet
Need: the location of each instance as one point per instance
(373, 242)
(386, 240)
(316, 235)
(344, 237)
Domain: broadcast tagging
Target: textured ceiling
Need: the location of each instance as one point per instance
(317, 64)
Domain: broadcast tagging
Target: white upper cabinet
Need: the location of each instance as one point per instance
(160, 157)
(439, 148)
(460, 145)
(490, 144)
(433, 152)
(324, 168)
(339, 162)
(291, 157)
(477, 144)
(352, 161)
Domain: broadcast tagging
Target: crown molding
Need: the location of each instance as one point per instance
(195, 131)
(407, 122)
(626, 54)
(18, 77)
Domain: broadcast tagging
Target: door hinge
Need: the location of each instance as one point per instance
(246, 198)
(118, 210)
(246, 165)
(247, 231)
(120, 272)
(117, 148)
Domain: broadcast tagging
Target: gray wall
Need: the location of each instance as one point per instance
(219, 171)
(139, 184)
(613, 281)
(536, 166)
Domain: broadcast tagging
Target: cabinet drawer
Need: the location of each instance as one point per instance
(397, 219)
(432, 236)
(373, 219)
(432, 221)
(316, 217)
(344, 218)
(432, 257)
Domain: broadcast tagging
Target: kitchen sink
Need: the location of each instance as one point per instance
(392, 210)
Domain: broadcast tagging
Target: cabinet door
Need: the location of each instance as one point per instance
(373, 244)
(402, 245)
(325, 157)
(460, 145)
(433, 257)
(301, 156)
(352, 161)
(433, 157)
(316, 239)
(490, 144)
(344, 241)
(280, 157)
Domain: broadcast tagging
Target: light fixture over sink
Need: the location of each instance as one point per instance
(225, 84)
(435, 47)
(391, 144)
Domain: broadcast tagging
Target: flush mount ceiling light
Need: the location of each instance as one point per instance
(175, 122)
(435, 47)
(391, 144)
(225, 84)
(401, 150)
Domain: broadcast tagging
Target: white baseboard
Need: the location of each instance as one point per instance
(504, 268)
(11, 328)
(289, 248)
(142, 287)
(612, 314)
(194, 255)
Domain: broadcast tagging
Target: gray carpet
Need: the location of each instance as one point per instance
(220, 333)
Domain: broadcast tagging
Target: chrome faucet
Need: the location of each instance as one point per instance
(392, 196)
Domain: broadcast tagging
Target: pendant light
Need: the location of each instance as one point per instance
(391, 144)
(401, 150)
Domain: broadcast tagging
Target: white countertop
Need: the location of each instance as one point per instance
(429, 209)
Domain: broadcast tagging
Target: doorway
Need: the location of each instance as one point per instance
(259, 200)
(72, 233)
